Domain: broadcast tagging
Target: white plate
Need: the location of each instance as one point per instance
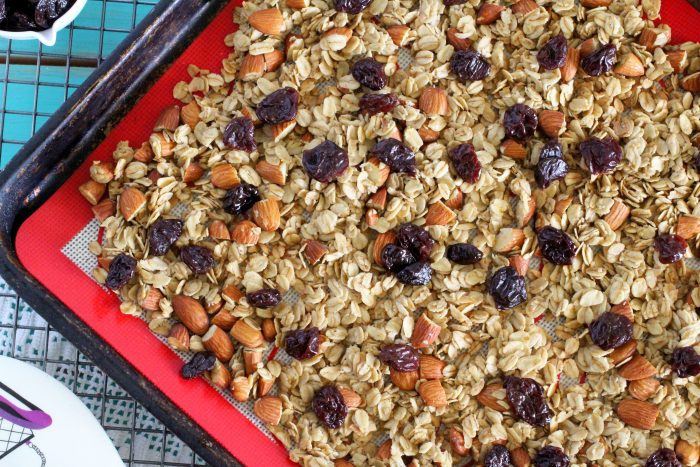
(48, 36)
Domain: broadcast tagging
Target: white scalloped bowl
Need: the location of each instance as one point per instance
(48, 36)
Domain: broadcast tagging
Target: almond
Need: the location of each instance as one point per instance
(687, 453)
(251, 360)
(520, 264)
(552, 122)
(351, 398)
(245, 233)
(382, 171)
(651, 38)
(562, 205)
(179, 337)
(456, 440)
(568, 71)
(623, 309)
(509, 239)
(189, 114)
(638, 414)
(224, 176)
(169, 119)
(161, 146)
(381, 241)
(688, 226)
(398, 34)
(691, 83)
(431, 367)
(219, 231)
(637, 368)
(513, 149)
(336, 39)
(524, 211)
(378, 199)
(524, 7)
(456, 199)
(131, 201)
(619, 212)
(428, 135)
(342, 463)
(268, 409)
(439, 214)
(212, 308)
(297, 4)
(384, 451)
(425, 332)
(643, 389)
(151, 301)
(276, 174)
(192, 172)
(232, 293)
(457, 42)
(268, 329)
(104, 209)
(219, 343)
(240, 388)
(265, 385)
(433, 101)
(678, 60)
(489, 13)
(630, 65)
(595, 3)
(104, 262)
(623, 352)
(252, 67)
(224, 320)
(281, 130)
(191, 313)
(432, 393)
(405, 380)
(266, 214)
(587, 47)
(493, 396)
(102, 171)
(371, 217)
(273, 60)
(144, 153)
(246, 334)
(250, 114)
(395, 134)
(220, 376)
(268, 21)
(314, 251)
(92, 191)
(520, 458)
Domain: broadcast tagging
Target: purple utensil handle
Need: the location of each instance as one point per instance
(31, 419)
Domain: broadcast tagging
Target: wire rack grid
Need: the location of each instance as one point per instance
(34, 81)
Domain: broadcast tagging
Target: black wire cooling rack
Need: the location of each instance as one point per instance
(34, 82)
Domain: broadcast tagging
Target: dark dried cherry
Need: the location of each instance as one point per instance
(551, 150)
(121, 270)
(507, 288)
(240, 134)
(279, 106)
(520, 122)
(241, 198)
(198, 258)
(369, 72)
(302, 343)
(396, 155)
(601, 61)
(371, 104)
(352, 6)
(526, 398)
(415, 239)
(264, 298)
(670, 247)
(330, 407)
(469, 65)
(198, 364)
(416, 274)
(663, 457)
(465, 162)
(400, 357)
(610, 330)
(549, 171)
(35, 15)
(556, 246)
(685, 362)
(464, 253)
(550, 456)
(163, 234)
(396, 258)
(498, 456)
(552, 55)
(325, 162)
(601, 155)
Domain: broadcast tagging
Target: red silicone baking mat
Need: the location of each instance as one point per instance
(45, 245)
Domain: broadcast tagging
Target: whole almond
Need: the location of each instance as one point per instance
(268, 409)
(456, 440)
(144, 153)
(219, 343)
(189, 114)
(268, 21)
(405, 380)
(489, 13)
(92, 191)
(224, 176)
(623, 309)
(398, 34)
(638, 414)
(104, 209)
(351, 398)
(432, 393)
(314, 251)
(678, 60)
(252, 67)
(131, 202)
(169, 119)
(276, 174)
(378, 200)
(219, 231)
(384, 451)
(520, 458)
(246, 334)
(595, 3)
(431, 367)
(281, 130)
(643, 389)
(619, 212)
(240, 388)
(433, 101)
(251, 360)
(151, 301)
(266, 214)
(691, 83)
(380, 242)
(439, 214)
(191, 313)
(224, 320)
(568, 71)
(268, 329)
(457, 42)
(245, 233)
(425, 332)
(630, 65)
(524, 7)
(637, 368)
(382, 171)
(520, 264)
(688, 226)
(493, 397)
(192, 172)
(552, 122)
(179, 337)
(509, 239)
(624, 352)
(688, 454)
(513, 149)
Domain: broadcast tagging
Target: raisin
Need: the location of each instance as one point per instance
(671, 248)
(279, 106)
(352, 6)
(163, 234)
(198, 258)
(465, 162)
(551, 150)
(416, 274)
(264, 298)
(370, 73)
(498, 456)
(198, 364)
(240, 134)
(520, 122)
(371, 104)
(552, 55)
(415, 239)
(325, 162)
(121, 270)
(556, 246)
(601, 155)
(507, 288)
(329, 406)
(610, 330)
(526, 397)
(396, 155)
(685, 361)
(302, 343)
(549, 171)
(400, 357)
(663, 458)
(396, 258)
(601, 61)
(241, 198)
(464, 253)
(469, 65)
(550, 456)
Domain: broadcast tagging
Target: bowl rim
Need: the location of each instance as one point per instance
(48, 36)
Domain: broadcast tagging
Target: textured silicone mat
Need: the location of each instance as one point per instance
(52, 244)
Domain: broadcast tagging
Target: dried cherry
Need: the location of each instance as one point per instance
(416, 274)
(465, 162)
(601, 155)
(302, 343)
(507, 288)
(121, 270)
(264, 298)
(520, 122)
(415, 239)
(469, 65)
(556, 246)
(163, 234)
(396, 258)
(610, 330)
(498, 456)
(369, 72)
(329, 406)
(671, 248)
(550, 456)
(325, 162)
(552, 55)
(241, 198)
(464, 253)
(685, 362)
(352, 6)
(240, 134)
(279, 106)
(400, 357)
(601, 61)
(198, 364)
(371, 104)
(198, 258)
(663, 457)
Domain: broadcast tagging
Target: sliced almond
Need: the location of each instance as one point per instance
(688, 226)
(520, 264)
(189, 114)
(191, 313)
(678, 60)
(650, 38)
(144, 153)
(268, 409)
(336, 38)
(252, 67)
(276, 174)
(104, 209)
(398, 34)
(297, 4)
(169, 119)
(431, 367)
(691, 83)
(151, 301)
(456, 200)
(224, 320)
(520, 457)
(382, 171)
(524, 7)
(246, 334)
(266, 214)
(630, 65)
(405, 380)
(281, 130)
(314, 251)
(225, 176)
(240, 388)
(433, 101)
(351, 398)
(493, 396)
(246, 233)
(457, 42)
(432, 393)
(623, 353)
(688, 454)
(252, 358)
(509, 239)
(179, 337)
(380, 242)
(268, 329)
(619, 212)
(219, 231)
(513, 149)
(92, 191)
(425, 332)
(637, 368)
(489, 13)
(439, 214)
(192, 172)
(623, 309)
(378, 199)
(638, 414)
(552, 122)
(568, 71)
(643, 389)
(131, 202)
(456, 440)
(273, 60)
(595, 3)
(428, 135)
(219, 343)
(268, 21)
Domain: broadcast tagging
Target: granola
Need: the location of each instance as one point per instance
(432, 179)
